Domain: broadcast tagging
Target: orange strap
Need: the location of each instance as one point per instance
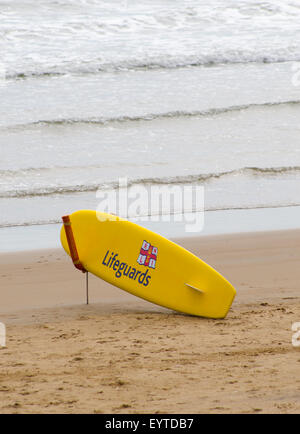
(72, 244)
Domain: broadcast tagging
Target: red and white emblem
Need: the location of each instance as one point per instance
(148, 255)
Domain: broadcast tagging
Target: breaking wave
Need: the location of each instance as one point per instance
(91, 37)
(165, 62)
(93, 187)
(150, 116)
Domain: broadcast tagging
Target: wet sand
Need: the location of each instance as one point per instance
(120, 354)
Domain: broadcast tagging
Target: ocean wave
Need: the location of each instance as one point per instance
(56, 221)
(149, 116)
(152, 63)
(93, 37)
(188, 179)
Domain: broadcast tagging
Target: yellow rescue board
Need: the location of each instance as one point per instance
(148, 265)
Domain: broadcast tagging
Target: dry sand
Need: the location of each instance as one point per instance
(121, 354)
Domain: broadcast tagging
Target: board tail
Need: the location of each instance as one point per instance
(72, 245)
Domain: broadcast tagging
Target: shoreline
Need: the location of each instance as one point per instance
(33, 278)
(233, 221)
(121, 354)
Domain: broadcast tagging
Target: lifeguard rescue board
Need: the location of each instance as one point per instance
(145, 264)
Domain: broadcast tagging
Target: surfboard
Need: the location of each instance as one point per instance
(145, 264)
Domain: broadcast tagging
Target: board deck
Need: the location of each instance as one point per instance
(148, 265)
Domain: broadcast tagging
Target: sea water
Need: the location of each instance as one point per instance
(160, 92)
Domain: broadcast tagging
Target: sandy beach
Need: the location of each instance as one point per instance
(170, 114)
(120, 354)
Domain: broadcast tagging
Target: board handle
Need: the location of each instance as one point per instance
(72, 245)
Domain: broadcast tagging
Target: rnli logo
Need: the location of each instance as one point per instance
(148, 255)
